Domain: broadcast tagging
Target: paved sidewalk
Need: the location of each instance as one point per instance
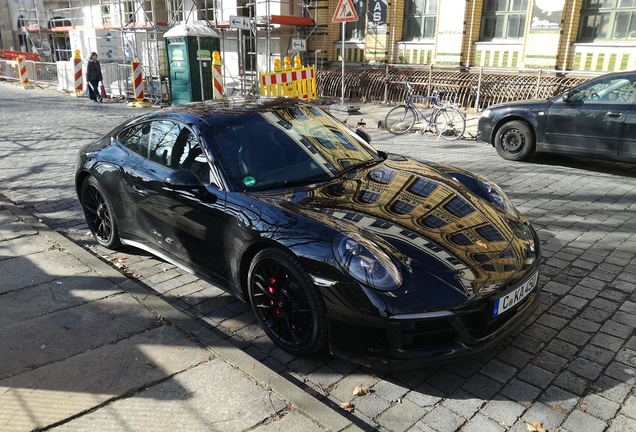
(85, 348)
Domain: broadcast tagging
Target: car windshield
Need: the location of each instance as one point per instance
(284, 146)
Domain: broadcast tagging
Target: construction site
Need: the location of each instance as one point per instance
(247, 35)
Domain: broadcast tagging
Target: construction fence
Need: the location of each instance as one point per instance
(117, 78)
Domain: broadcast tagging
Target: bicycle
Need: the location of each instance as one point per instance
(445, 119)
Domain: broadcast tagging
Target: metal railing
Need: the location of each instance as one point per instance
(477, 88)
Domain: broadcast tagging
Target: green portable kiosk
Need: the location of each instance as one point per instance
(189, 48)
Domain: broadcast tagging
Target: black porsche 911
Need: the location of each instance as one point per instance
(391, 262)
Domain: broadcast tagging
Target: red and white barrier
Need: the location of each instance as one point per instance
(217, 78)
(22, 71)
(79, 75)
(138, 81)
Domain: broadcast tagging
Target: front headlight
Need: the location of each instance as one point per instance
(366, 263)
(498, 197)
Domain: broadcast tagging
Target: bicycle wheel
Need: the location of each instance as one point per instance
(400, 119)
(450, 123)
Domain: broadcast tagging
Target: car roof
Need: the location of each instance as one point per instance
(211, 111)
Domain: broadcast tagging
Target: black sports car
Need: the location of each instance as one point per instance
(596, 119)
(390, 261)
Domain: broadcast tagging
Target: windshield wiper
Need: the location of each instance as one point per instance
(364, 164)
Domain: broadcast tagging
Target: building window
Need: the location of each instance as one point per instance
(422, 187)
(355, 30)
(369, 197)
(382, 175)
(402, 208)
(461, 240)
(420, 18)
(433, 221)
(459, 207)
(490, 233)
(503, 19)
(608, 19)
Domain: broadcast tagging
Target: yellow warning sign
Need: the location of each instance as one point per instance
(345, 12)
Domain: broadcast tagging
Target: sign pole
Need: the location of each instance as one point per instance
(345, 12)
(342, 55)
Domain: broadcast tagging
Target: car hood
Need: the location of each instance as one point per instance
(522, 105)
(426, 220)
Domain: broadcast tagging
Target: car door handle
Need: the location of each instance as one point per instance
(140, 191)
(614, 114)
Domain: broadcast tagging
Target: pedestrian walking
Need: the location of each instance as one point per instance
(94, 77)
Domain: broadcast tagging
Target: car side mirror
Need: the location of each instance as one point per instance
(364, 135)
(565, 97)
(185, 180)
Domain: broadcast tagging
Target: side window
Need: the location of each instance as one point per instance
(175, 146)
(611, 91)
(162, 140)
(136, 138)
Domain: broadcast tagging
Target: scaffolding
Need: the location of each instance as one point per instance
(140, 25)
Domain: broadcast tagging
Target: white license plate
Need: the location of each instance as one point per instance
(508, 301)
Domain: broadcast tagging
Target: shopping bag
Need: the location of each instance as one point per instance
(103, 91)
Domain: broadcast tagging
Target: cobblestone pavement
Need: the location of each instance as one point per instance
(571, 368)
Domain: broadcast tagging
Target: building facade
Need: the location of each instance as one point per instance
(579, 35)
(582, 35)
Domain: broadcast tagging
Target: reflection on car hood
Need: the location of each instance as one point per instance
(426, 220)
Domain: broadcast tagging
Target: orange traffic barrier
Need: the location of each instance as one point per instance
(138, 86)
(13, 55)
(299, 83)
(22, 71)
(217, 78)
(138, 80)
(79, 75)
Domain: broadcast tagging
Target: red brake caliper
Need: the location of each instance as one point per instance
(272, 291)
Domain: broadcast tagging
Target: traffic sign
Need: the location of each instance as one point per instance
(240, 22)
(299, 44)
(345, 12)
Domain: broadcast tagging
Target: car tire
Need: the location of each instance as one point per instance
(286, 302)
(99, 214)
(515, 141)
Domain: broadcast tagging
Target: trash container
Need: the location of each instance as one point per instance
(189, 48)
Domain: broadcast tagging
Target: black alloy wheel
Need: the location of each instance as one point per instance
(286, 302)
(515, 141)
(99, 214)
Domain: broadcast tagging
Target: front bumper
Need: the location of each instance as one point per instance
(411, 342)
(485, 127)
(416, 340)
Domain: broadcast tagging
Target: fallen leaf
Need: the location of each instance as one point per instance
(347, 406)
(537, 427)
(558, 409)
(122, 259)
(361, 391)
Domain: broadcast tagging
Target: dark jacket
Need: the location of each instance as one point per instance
(94, 71)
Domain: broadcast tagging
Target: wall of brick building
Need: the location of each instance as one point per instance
(457, 42)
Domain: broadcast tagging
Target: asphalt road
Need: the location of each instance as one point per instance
(571, 368)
